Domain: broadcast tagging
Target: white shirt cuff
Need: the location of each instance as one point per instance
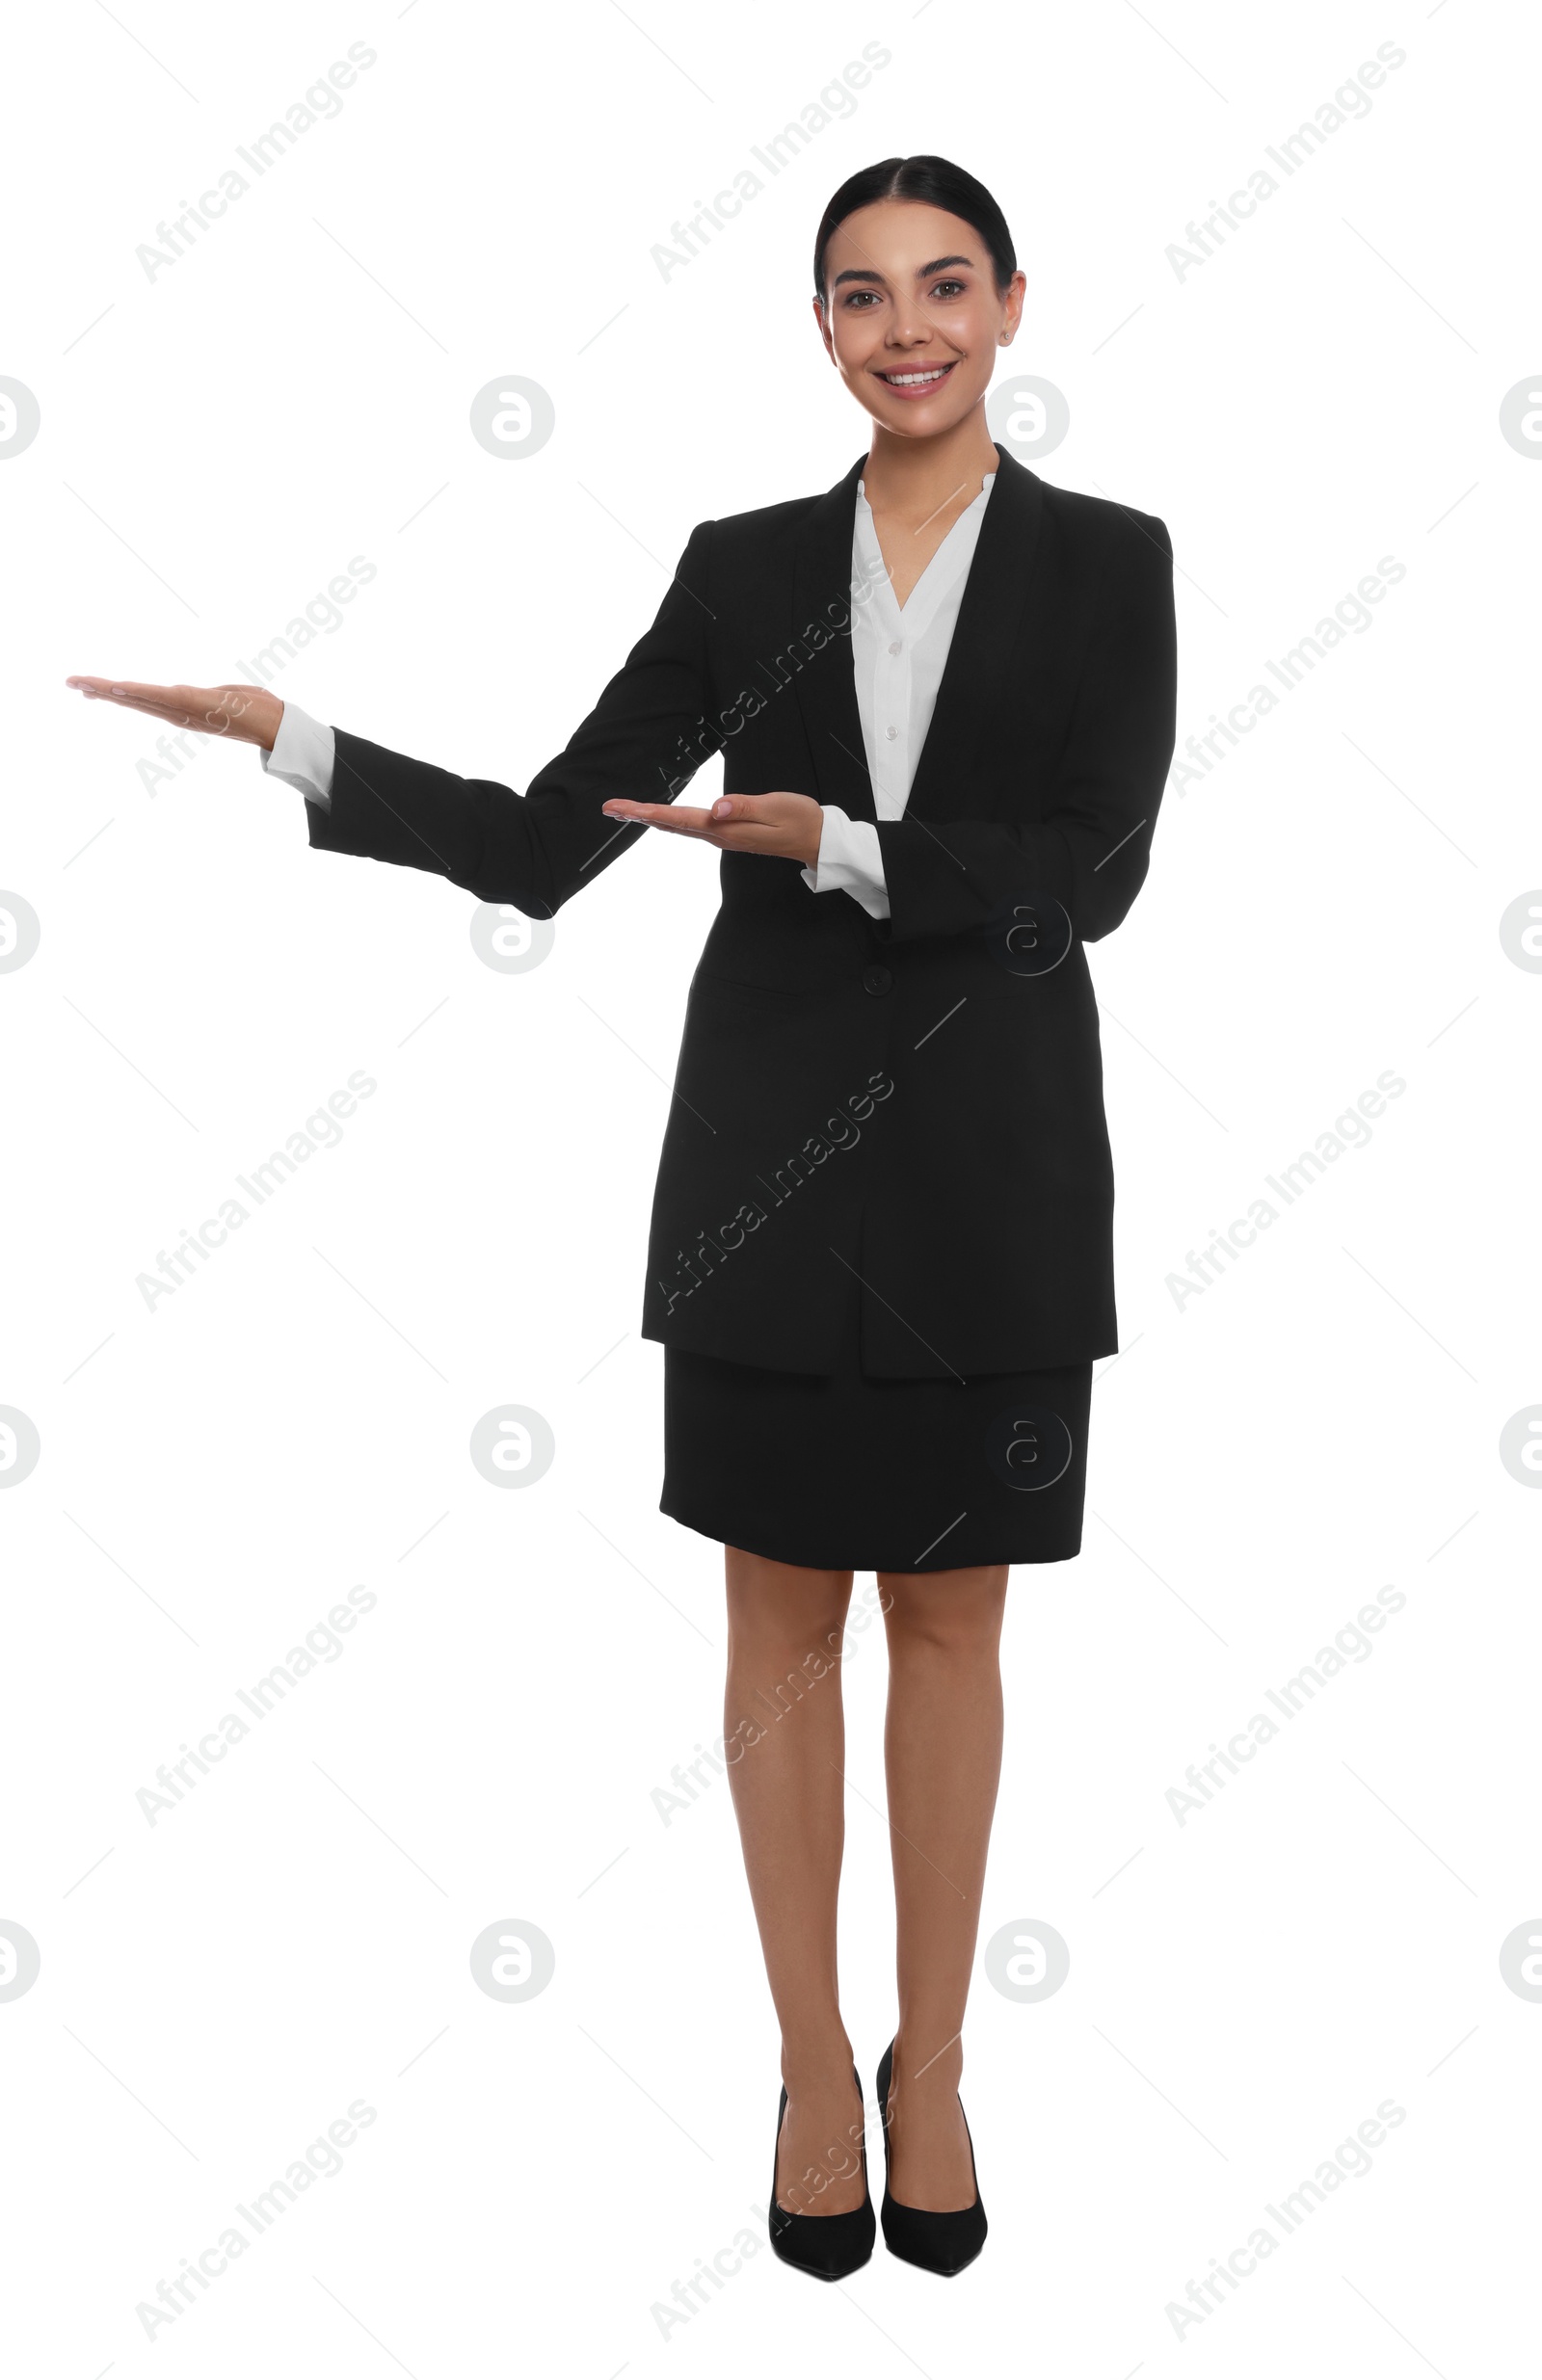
(304, 755)
(851, 861)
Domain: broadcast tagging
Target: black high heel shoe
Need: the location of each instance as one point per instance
(829, 2246)
(938, 2242)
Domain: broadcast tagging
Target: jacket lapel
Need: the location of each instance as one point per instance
(990, 621)
(974, 694)
(824, 681)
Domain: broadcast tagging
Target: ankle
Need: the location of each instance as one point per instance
(816, 2065)
(928, 2072)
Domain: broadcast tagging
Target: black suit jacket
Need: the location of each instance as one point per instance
(908, 1112)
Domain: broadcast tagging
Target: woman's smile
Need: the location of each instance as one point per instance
(916, 380)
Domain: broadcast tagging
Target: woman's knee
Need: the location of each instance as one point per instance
(943, 1612)
(783, 1616)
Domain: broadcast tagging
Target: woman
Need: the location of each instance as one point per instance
(880, 1260)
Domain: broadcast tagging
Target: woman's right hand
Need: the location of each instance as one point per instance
(245, 714)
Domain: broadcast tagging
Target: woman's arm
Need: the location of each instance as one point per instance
(1091, 846)
(646, 737)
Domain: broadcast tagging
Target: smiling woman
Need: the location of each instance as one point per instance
(943, 691)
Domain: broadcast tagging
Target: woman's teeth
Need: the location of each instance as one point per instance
(916, 380)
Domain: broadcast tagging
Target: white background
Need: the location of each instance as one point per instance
(217, 442)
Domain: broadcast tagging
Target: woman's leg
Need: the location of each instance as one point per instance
(942, 1753)
(785, 1740)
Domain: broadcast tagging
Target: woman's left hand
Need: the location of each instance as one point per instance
(786, 826)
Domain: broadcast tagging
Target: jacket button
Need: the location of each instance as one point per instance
(877, 979)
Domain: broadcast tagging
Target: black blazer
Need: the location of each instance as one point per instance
(906, 1111)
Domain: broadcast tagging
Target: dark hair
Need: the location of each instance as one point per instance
(934, 182)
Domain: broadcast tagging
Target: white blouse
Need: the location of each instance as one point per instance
(899, 657)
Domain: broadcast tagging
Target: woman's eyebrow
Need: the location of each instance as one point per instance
(923, 271)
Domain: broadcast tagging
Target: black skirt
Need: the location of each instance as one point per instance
(846, 1472)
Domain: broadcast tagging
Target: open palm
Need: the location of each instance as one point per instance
(246, 714)
(783, 826)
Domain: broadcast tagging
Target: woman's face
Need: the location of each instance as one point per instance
(913, 320)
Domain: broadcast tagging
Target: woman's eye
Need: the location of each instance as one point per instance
(852, 296)
(949, 287)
